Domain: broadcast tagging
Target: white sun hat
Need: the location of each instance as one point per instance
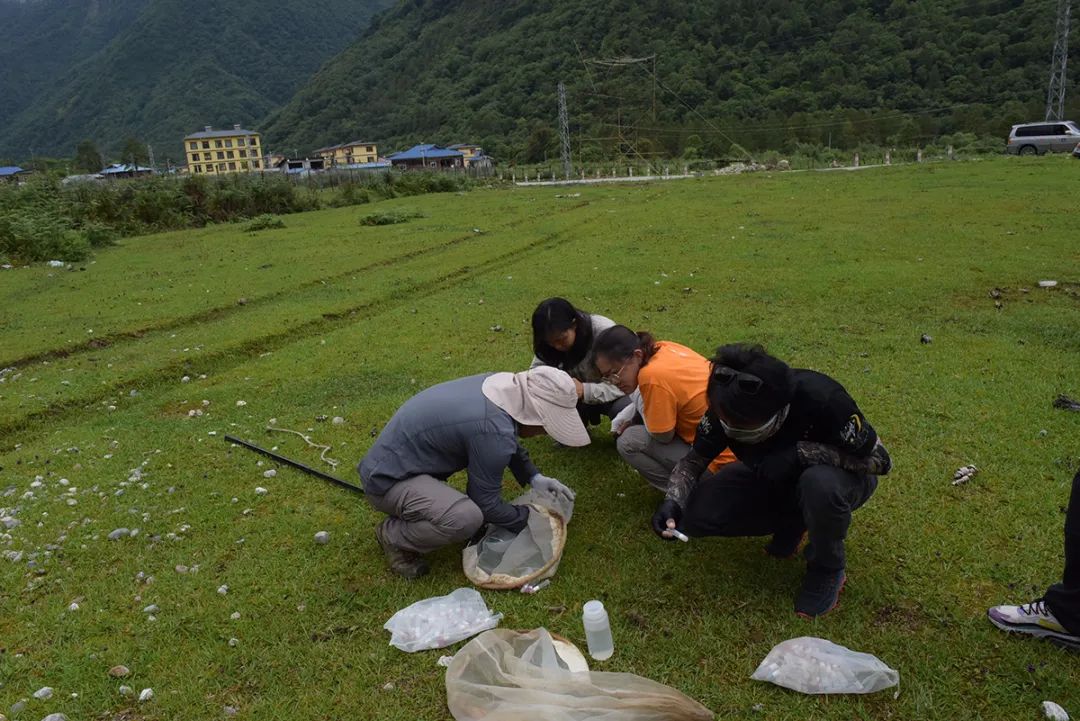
(541, 396)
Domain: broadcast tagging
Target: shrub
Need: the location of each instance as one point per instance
(265, 222)
(389, 218)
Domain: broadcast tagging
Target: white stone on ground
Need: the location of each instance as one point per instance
(235, 616)
(146, 694)
(260, 491)
(223, 589)
(322, 537)
(270, 473)
(44, 693)
(119, 533)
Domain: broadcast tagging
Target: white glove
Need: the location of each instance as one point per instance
(546, 484)
(624, 417)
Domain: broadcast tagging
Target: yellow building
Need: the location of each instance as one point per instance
(213, 152)
(354, 153)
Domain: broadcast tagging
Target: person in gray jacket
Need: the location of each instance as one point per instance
(471, 424)
(563, 337)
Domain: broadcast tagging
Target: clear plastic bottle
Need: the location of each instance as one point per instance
(597, 631)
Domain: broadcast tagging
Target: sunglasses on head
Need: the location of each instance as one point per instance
(746, 382)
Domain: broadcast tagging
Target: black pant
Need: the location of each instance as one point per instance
(1064, 598)
(592, 413)
(734, 502)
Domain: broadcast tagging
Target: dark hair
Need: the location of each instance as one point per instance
(556, 315)
(777, 383)
(619, 343)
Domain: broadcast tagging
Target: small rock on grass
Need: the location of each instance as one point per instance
(260, 491)
(18, 706)
(126, 690)
(223, 589)
(55, 717)
(44, 693)
(338, 420)
(322, 538)
(235, 616)
(270, 473)
(119, 533)
(229, 710)
(234, 642)
(1054, 712)
(146, 694)
(73, 607)
(119, 671)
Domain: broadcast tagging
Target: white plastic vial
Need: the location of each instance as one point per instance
(597, 631)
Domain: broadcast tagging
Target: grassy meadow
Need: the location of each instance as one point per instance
(837, 271)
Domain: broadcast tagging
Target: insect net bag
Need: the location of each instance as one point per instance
(502, 559)
(506, 675)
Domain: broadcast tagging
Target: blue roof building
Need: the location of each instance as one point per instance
(8, 172)
(122, 170)
(427, 156)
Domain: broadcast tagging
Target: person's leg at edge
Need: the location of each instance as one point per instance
(652, 459)
(423, 514)
(827, 497)
(1055, 616)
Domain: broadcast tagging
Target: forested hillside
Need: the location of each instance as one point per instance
(157, 69)
(760, 73)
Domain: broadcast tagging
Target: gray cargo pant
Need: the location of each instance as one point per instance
(652, 459)
(425, 513)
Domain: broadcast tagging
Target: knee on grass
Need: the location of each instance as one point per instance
(460, 521)
(822, 490)
(634, 440)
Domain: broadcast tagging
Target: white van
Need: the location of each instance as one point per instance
(1038, 138)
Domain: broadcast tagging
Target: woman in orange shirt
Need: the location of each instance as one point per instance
(670, 382)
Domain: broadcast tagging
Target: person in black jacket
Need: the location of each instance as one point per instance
(807, 458)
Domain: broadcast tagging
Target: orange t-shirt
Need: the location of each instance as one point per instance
(672, 386)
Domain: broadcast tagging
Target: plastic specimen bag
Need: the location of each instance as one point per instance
(814, 665)
(505, 675)
(502, 559)
(440, 621)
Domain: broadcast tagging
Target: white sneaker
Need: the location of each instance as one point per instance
(1034, 619)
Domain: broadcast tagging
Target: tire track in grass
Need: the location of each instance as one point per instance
(12, 431)
(223, 311)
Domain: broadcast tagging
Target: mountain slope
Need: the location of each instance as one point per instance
(762, 73)
(182, 64)
(42, 40)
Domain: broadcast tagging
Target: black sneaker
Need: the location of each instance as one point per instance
(785, 544)
(820, 592)
(404, 563)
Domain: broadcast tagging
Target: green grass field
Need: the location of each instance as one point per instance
(841, 272)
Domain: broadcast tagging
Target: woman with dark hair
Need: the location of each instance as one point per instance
(563, 338)
(668, 384)
(807, 459)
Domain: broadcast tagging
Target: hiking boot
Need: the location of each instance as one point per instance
(785, 544)
(820, 592)
(1034, 619)
(404, 563)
